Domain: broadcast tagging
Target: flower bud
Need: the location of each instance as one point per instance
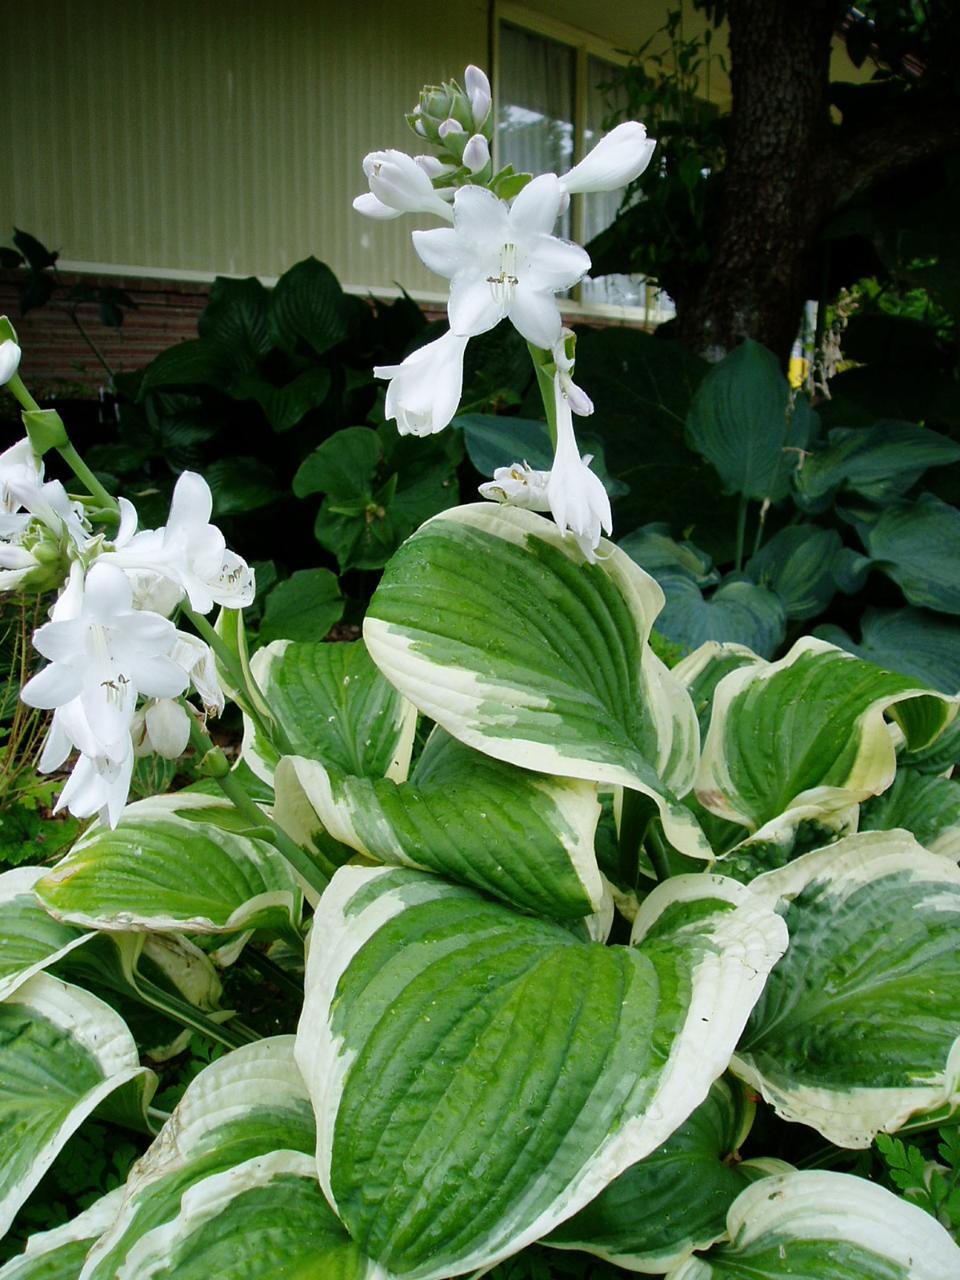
(478, 91)
(167, 728)
(9, 360)
(520, 486)
(615, 161)
(399, 184)
(476, 154)
(433, 167)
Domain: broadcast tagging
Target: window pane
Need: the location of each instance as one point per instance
(535, 83)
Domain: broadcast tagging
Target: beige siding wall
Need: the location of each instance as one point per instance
(219, 135)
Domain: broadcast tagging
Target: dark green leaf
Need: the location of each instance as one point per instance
(37, 255)
(304, 607)
(286, 406)
(909, 640)
(239, 485)
(737, 611)
(797, 563)
(344, 465)
(916, 545)
(236, 316)
(198, 363)
(308, 307)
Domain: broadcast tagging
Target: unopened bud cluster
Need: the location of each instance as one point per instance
(459, 123)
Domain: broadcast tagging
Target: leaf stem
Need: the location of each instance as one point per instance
(215, 765)
(657, 850)
(741, 532)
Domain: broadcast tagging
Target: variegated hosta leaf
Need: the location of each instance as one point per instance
(492, 623)
(247, 1104)
(928, 807)
(788, 836)
(479, 1075)
(63, 1052)
(334, 706)
(857, 1027)
(162, 870)
(701, 672)
(59, 1254)
(261, 1219)
(676, 1199)
(826, 1226)
(30, 938)
(523, 837)
(809, 730)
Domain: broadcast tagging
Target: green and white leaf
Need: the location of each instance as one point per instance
(164, 868)
(826, 1226)
(914, 641)
(676, 1199)
(493, 624)
(702, 670)
(335, 707)
(261, 1219)
(479, 1075)
(928, 807)
(247, 1104)
(524, 837)
(857, 1027)
(788, 836)
(62, 1053)
(809, 730)
(30, 938)
(59, 1254)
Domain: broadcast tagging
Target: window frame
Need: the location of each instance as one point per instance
(585, 45)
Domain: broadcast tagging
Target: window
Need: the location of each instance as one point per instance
(553, 95)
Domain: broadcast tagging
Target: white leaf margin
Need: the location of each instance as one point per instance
(19, 883)
(86, 1226)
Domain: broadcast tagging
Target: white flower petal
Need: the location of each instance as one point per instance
(536, 316)
(9, 360)
(191, 505)
(440, 249)
(615, 161)
(52, 687)
(537, 207)
(371, 207)
(107, 591)
(168, 728)
(424, 391)
(482, 219)
(473, 307)
(555, 264)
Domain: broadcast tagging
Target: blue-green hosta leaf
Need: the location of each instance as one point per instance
(163, 868)
(480, 1075)
(30, 938)
(656, 551)
(797, 564)
(809, 730)
(494, 625)
(676, 1199)
(63, 1052)
(737, 611)
(334, 706)
(741, 422)
(825, 1226)
(879, 463)
(523, 837)
(857, 1028)
(918, 643)
(916, 544)
(928, 807)
(261, 1219)
(940, 756)
(247, 1104)
(59, 1254)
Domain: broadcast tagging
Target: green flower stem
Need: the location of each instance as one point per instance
(65, 449)
(657, 851)
(242, 680)
(741, 533)
(272, 972)
(315, 870)
(541, 359)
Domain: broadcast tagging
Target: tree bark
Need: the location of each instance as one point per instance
(778, 184)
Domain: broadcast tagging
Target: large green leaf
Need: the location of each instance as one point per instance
(879, 463)
(165, 868)
(30, 939)
(738, 612)
(520, 836)
(702, 670)
(797, 563)
(809, 730)
(285, 405)
(921, 644)
(59, 1254)
(236, 317)
(62, 1053)
(247, 1104)
(654, 550)
(741, 422)
(929, 807)
(335, 707)
(200, 362)
(308, 307)
(493, 624)
(259, 1220)
(480, 1075)
(239, 485)
(916, 544)
(857, 1027)
(825, 1226)
(676, 1199)
(302, 607)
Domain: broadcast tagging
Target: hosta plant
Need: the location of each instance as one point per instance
(575, 933)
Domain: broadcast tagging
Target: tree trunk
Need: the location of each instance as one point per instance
(778, 184)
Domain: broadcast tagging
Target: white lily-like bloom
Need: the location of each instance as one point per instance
(9, 360)
(519, 486)
(578, 501)
(478, 91)
(25, 495)
(103, 652)
(502, 260)
(398, 185)
(197, 660)
(618, 158)
(424, 390)
(99, 785)
(189, 553)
